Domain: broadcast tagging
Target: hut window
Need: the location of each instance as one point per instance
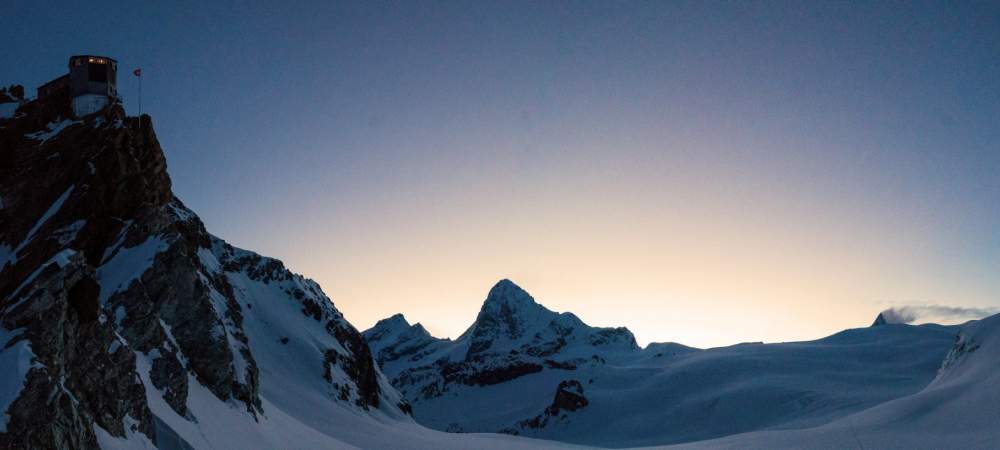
(97, 72)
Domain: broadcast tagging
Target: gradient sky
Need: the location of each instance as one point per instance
(700, 172)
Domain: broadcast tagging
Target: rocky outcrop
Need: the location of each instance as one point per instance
(121, 294)
(569, 397)
(966, 342)
(80, 373)
(64, 186)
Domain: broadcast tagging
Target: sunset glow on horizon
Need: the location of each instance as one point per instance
(702, 173)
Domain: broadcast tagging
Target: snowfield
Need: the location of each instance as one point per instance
(960, 408)
(512, 360)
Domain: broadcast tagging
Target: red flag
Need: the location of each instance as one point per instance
(137, 72)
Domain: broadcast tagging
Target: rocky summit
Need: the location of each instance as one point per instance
(124, 319)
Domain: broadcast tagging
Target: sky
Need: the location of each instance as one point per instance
(700, 172)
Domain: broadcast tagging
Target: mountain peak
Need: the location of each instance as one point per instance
(507, 314)
(505, 292)
(390, 326)
(880, 320)
(393, 329)
(395, 320)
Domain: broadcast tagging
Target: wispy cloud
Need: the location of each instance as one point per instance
(935, 314)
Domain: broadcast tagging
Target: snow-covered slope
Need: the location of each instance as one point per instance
(125, 324)
(510, 371)
(960, 408)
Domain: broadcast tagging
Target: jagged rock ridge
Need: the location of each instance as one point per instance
(512, 336)
(121, 302)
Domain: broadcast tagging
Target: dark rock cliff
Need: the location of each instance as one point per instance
(101, 265)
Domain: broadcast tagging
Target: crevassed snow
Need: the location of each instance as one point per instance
(53, 209)
(127, 264)
(51, 130)
(15, 361)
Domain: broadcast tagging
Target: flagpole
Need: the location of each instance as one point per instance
(140, 98)
(138, 74)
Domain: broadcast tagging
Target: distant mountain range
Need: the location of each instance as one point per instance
(523, 369)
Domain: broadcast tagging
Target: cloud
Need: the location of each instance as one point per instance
(935, 314)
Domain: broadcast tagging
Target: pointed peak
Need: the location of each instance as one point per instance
(396, 317)
(389, 326)
(892, 316)
(508, 293)
(505, 285)
(395, 321)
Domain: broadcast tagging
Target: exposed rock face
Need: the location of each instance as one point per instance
(513, 336)
(121, 294)
(569, 397)
(74, 380)
(966, 342)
